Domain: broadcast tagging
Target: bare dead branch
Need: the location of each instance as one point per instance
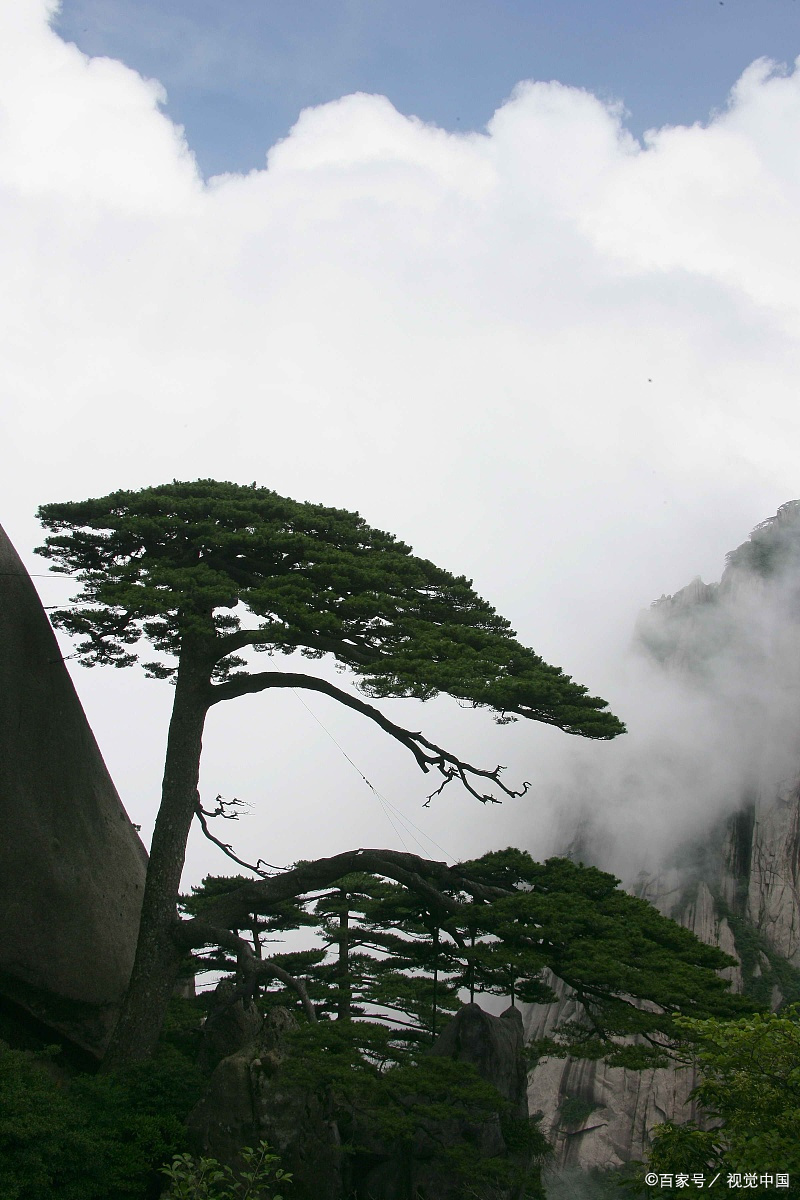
(225, 808)
(225, 847)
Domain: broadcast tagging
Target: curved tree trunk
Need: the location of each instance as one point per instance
(158, 957)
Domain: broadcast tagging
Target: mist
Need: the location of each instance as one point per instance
(710, 685)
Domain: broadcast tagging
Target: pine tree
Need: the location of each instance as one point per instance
(175, 565)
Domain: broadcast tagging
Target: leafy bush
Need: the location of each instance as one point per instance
(751, 1087)
(206, 1179)
(90, 1137)
(416, 1100)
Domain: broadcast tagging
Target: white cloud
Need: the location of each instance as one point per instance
(92, 135)
(549, 357)
(718, 201)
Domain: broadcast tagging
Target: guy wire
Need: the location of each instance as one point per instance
(385, 804)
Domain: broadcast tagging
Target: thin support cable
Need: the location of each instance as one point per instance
(382, 800)
(355, 768)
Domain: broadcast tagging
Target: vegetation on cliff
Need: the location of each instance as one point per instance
(407, 936)
(750, 1090)
(366, 1012)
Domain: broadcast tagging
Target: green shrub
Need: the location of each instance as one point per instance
(750, 1087)
(206, 1179)
(574, 1110)
(98, 1137)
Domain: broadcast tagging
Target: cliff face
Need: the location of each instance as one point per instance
(72, 866)
(599, 1116)
(748, 904)
(738, 888)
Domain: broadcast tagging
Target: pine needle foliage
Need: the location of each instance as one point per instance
(410, 958)
(187, 559)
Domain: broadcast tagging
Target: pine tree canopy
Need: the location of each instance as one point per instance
(181, 564)
(501, 924)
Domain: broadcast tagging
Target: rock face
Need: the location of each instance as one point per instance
(250, 1098)
(229, 1026)
(599, 1116)
(740, 888)
(247, 1101)
(747, 904)
(72, 866)
(494, 1047)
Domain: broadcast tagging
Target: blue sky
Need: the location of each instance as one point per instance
(237, 74)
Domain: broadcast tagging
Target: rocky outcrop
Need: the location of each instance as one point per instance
(599, 1116)
(253, 1095)
(773, 884)
(230, 1025)
(72, 866)
(738, 887)
(249, 1100)
(494, 1046)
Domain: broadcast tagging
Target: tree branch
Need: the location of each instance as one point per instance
(429, 879)
(225, 847)
(189, 935)
(357, 651)
(267, 969)
(427, 754)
